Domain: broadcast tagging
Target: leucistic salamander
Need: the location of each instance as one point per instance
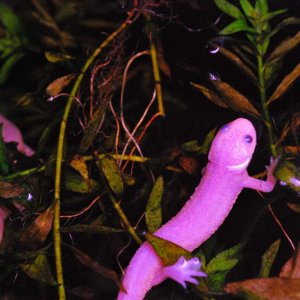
(224, 177)
(11, 133)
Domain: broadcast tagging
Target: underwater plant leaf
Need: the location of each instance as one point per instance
(286, 22)
(273, 14)
(268, 259)
(4, 164)
(192, 146)
(285, 84)
(234, 99)
(153, 214)
(262, 6)
(8, 64)
(91, 228)
(75, 183)
(236, 26)
(58, 84)
(10, 190)
(238, 62)
(37, 232)
(166, 250)
(57, 57)
(265, 288)
(39, 270)
(294, 207)
(291, 269)
(284, 47)
(79, 164)
(243, 50)
(288, 173)
(229, 9)
(248, 9)
(211, 95)
(92, 128)
(95, 266)
(112, 174)
(224, 261)
(47, 134)
(271, 71)
(10, 20)
(188, 164)
(220, 265)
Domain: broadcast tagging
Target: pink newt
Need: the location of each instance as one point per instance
(224, 178)
(11, 133)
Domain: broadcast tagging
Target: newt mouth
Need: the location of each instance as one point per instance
(239, 166)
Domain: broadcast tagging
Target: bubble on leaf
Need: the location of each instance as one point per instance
(213, 76)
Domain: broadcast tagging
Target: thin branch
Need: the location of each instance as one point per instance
(59, 156)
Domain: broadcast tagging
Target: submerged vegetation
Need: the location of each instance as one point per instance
(108, 97)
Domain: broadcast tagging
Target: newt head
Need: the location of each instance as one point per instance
(233, 146)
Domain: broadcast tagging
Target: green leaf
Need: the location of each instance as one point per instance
(224, 261)
(166, 250)
(236, 26)
(193, 146)
(271, 71)
(7, 66)
(76, 183)
(273, 14)
(10, 20)
(265, 45)
(57, 57)
(247, 8)
(4, 164)
(229, 9)
(262, 6)
(220, 265)
(268, 259)
(287, 172)
(285, 84)
(153, 214)
(112, 174)
(39, 270)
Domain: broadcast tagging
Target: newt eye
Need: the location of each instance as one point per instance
(225, 128)
(248, 139)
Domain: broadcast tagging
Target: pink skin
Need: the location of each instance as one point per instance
(11, 133)
(3, 214)
(224, 178)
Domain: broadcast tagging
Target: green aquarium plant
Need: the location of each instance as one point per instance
(249, 37)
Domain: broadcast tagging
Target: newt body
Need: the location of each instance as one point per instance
(224, 178)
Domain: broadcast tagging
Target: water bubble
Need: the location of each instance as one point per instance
(29, 197)
(213, 76)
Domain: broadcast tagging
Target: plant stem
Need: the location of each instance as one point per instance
(59, 155)
(116, 204)
(31, 171)
(262, 91)
(154, 58)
